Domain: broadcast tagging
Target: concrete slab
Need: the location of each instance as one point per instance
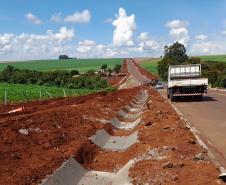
(134, 105)
(137, 102)
(72, 173)
(129, 108)
(123, 125)
(142, 96)
(122, 177)
(115, 143)
(132, 116)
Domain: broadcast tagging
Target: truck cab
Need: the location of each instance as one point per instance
(186, 80)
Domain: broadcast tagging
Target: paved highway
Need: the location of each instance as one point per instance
(209, 118)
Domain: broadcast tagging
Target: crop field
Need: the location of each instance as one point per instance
(10, 93)
(82, 65)
(151, 65)
(214, 58)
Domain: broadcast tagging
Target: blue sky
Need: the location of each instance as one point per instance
(109, 28)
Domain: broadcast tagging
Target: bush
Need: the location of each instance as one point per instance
(74, 72)
(215, 72)
(57, 78)
(117, 68)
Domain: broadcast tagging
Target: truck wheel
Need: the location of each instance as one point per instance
(168, 95)
(171, 97)
(200, 97)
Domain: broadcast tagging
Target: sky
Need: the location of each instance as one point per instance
(44, 29)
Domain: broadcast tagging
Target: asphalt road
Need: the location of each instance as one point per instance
(209, 118)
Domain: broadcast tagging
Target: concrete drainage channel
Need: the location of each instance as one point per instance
(72, 173)
(114, 143)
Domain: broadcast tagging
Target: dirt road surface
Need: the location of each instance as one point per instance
(209, 118)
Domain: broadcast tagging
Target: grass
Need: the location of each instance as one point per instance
(151, 65)
(214, 58)
(83, 65)
(24, 93)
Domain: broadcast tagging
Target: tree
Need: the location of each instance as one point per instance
(163, 66)
(117, 68)
(176, 53)
(194, 60)
(59, 78)
(104, 67)
(173, 55)
(6, 74)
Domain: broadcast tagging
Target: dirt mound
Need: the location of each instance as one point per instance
(146, 73)
(117, 80)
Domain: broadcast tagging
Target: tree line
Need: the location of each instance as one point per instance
(176, 55)
(60, 78)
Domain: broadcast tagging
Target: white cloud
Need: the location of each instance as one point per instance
(34, 46)
(6, 38)
(79, 17)
(89, 48)
(178, 31)
(146, 43)
(223, 32)
(86, 46)
(56, 17)
(177, 24)
(204, 45)
(109, 20)
(124, 29)
(201, 37)
(144, 46)
(64, 34)
(205, 48)
(33, 19)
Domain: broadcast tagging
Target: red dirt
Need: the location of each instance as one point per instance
(60, 128)
(146, 73)
(166, 130)
(117, 80)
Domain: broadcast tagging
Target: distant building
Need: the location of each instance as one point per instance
(61, 57)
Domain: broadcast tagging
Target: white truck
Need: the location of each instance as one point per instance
(186, 80)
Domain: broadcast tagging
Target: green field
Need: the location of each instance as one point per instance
(82, 65)
(151, 65)
(24, 93)
(214, 58)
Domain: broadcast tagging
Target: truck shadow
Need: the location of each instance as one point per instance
(192, 99)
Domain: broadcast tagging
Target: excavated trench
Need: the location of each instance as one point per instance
(71, 172)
